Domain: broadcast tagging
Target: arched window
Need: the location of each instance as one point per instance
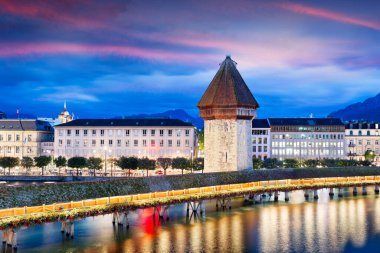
(360, 132)
(368, 133)
(351, 132)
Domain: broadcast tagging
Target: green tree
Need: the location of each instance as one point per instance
(77, 163)
(369, 155)
(60, 162)
(201, 139)
(257, 163)
(329, 163)
(312, 163)
(271, 163)
(128, 163)
(146, 164)
(9, 162)
(164, 163)
(198, 164)
(365, 163)
(42, 161)
(180, 163)
(291, 163)
(27, 163)
(94, 163)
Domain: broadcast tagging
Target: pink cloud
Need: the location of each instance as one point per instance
(50, 48)
(330, 15)
(50, 12)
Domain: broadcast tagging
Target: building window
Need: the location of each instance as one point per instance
(187, 143)
(102, 132)
(60, 142)
(110, 142)
(118, 143)
(179, 133)
(68, 143)
(68, 133)
(144, 132)
(29, 137)
(1, 137)
(170, 143)
(360, 132)
(76, 143)
(265, 149)
(161, 143)
(368, 133)
(152, 132)
(351, 132)
(93, 132)
(110, 132)
(60, 132)
(170, 132)
(360, 142)
(93, 143)
(178, 143)
(29, 150)
(127, 132)
(265, 140)
(17, 149)
(376, 142)
(85, 132)
(119, 132)
(76, 132)
(17, 137)
(9, 137)
(254, 149)
(161, 132)
(102, 143)
(127, 143)
(152, 143)
(144, 143)
(260, 148)
(135, 143)
(187, 132)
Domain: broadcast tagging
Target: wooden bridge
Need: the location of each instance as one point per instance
(161, 201)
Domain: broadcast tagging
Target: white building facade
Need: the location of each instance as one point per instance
(362, 137)
(25, 137)
(261, 139)
(113, 138)
(301, 138)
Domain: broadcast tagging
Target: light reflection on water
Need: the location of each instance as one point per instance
(346, 225)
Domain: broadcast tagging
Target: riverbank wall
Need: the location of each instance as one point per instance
(31, 195)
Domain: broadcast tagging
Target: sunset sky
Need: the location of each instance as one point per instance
(112, 58)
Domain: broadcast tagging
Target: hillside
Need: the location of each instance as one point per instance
(368, 110)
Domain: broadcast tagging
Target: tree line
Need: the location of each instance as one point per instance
(272, 163)
(95, 164)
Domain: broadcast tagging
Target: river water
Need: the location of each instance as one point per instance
(350, 224)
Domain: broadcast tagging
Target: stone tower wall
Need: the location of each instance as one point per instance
(228, 145)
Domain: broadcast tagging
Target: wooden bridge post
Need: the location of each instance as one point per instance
(5, 235)
(276, 196)
(114, 217)
(72, 229)
(340, 192)
(377, 189)
(63, 226)
(355, 191)
(286, 196)
(316, 194)
(306, 194)
(14, 239)
(364, 192)
(257, 198)
(331, 192)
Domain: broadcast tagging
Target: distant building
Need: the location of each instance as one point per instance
(261, 139)
(64, 116)
(25, 137)
(300, 138)
(360, 137)
(114, 138)
(227, 107)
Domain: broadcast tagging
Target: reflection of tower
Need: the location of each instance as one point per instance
(228, 108)
(65, 116)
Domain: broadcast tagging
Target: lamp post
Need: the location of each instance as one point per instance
(105, 161)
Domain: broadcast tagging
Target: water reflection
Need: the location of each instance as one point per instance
(313, 226)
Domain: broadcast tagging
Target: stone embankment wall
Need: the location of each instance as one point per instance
(31, 195)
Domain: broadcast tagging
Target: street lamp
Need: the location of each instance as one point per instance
(105, 159)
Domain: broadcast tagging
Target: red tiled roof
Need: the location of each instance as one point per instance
(228, 89)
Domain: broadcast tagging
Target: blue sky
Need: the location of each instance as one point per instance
(128, 57)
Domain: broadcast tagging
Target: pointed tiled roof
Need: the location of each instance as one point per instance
(228, 89)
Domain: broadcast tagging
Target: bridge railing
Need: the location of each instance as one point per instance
(164, 194)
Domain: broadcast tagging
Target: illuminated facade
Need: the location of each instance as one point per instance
(363, 136)
(301, 138)
(25, 137)
(114, 138)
